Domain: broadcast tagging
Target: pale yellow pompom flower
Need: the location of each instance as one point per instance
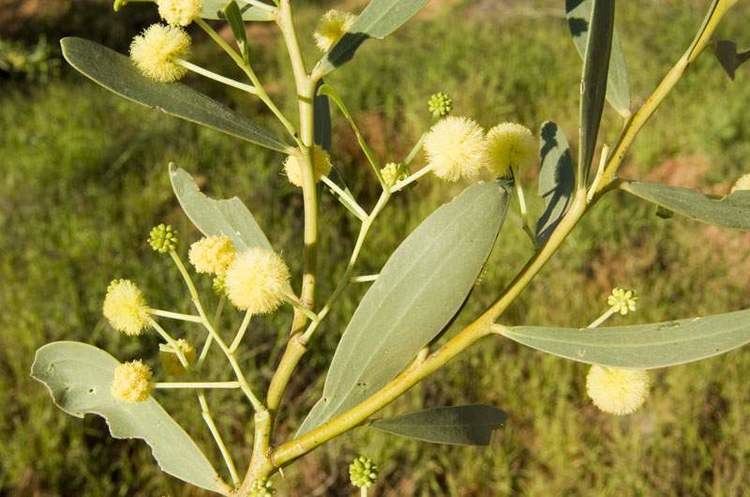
(155, 50)
(180, 12)
(510, 145)
(622, 301)
(212, 254)
(257, 281)
(125, 307)
(321, 166)
(132, 382)
(743, 183)
(332, 26)
(456, 149)
(616, 390)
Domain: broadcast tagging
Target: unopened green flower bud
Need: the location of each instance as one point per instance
(363, 472)
(118, 4)
(622, 301)
(163, 238)
(393, 173)
(219, 285)
(262, 488)
(440, 104)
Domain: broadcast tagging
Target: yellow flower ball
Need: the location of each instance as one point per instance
(331, 27)
(623, 301)
(321, 166)
(125, 307)
(456, 149)
(616, 390)
(212, 254)
(132, 382)
(257, 281)
(743, 183)
(180, 12)
(155, 50)
(510, 144)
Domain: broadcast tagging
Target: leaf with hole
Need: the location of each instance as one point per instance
(78, 376)
(556, 178)
(644, 346)
(459, 425)
(227, 217)
(117, 73)
(578, 13)
(418, 291)
(732, 211)
(379, 19)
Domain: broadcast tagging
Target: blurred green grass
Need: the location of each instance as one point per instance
(83, 178)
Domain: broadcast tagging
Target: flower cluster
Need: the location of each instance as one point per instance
(125, 307)
(616, 390)
(440, 104)
(163, 238)
(179, 12)
(132, 382)
(257, 281)
(363, 472)
(321, 166)
(622, 301)
(457, 148)
(392, 173)
(332, 27)
(262, 488)
(156, 51)
(212, 254)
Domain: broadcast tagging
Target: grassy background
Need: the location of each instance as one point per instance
(83, 178)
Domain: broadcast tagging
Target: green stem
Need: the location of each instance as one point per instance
(175, 315)
(244, 386)
(225, 454)
(198, 384)
(216, 77)
(411, 179)
(345, 199)
(250, 73)
(603, 318)
(240, 332)
(171, 341)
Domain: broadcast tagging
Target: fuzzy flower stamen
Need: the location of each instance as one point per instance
(456, 149)
(212, 254)
(132, 382)
(257, 281)
(332, 27)
(617, 391)
(125, 307)
(622, 301)
(155, 50)
(321, 166)
(510, 145)
(180, 12)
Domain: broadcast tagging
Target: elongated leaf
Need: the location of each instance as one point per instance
(379, 19)
(418, 291)
(729, 58)
(644, 346)
(231, 12)
(556, 178)
(79, 376)
(578, 13)
(212, 10)
(461, 425)
(594, 80)
(116, 73)
(227, 217)
(732, 211)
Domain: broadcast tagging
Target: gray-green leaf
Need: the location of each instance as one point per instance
(419, 290)
(227, 217)
(729, 58)
(233, 15)
(379, 19)
(732, 211)
(117, 73)
(212, 10)
(594, 81)
(556, 178)
(578, 13)
(644, 346)
(79, 376)
(460, 425)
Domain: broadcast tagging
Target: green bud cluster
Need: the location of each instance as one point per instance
(363, 472)
(440, 104)
(262, 488)
(163, 238)
(219, 285)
